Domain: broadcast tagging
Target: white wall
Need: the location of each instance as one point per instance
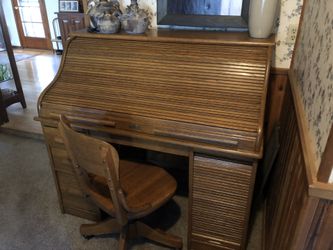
(10, 20)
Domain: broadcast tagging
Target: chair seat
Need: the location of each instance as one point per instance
(137, 180)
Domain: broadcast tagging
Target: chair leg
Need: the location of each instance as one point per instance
(3, 115)
(158, 236)
(108, 226)
(123, 238)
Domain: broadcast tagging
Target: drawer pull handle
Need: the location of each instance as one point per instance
(225, 142)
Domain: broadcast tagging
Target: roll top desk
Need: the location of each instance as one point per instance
(195, 94)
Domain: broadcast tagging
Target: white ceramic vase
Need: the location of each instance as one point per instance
(262, 15)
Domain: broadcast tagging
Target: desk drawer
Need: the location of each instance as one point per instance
(221, 197)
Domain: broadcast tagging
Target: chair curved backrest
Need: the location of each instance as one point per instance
(93, 157)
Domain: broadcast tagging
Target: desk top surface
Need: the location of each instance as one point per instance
(203, 37)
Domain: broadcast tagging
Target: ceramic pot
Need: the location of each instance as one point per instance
(262, 15)
(135, 20)
(104, 16)
(108, 24)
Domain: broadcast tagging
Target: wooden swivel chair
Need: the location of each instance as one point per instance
(125, 190)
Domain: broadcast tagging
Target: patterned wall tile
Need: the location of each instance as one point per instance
(313, 67)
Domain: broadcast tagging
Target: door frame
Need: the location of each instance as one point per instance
(40, 42)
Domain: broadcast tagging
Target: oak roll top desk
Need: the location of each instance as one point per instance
(195, 94)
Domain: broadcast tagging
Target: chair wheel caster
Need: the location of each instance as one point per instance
(87, 237)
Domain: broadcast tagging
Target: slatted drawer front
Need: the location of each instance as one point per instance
(220, 202)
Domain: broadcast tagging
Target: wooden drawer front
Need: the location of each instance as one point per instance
(220, 201)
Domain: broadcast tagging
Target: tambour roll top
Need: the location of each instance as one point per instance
(202, 90)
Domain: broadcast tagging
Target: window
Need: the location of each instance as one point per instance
(203, 14)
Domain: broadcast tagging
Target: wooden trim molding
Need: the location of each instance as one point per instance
(298, 209)
(278, 80)
(306, 141)
(317, 188)
(303, 228)
(326, 163)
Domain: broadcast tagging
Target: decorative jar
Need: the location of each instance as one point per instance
(104, 16)
(135, 20)
(262, 14)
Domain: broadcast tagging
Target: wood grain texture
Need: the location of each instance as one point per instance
(183, 36)
(316, 188)
(125, 190)
(295, 216)
(322, 234)
(289, 184)
(276, 91)
(220, 86)
(221, 199)
(326, 163)
(175, 92)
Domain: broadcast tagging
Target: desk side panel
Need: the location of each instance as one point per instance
(71, 199)
(221, 195)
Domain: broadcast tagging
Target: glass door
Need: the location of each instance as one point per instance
(5, 68)
(9, 76)
(32, 23)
